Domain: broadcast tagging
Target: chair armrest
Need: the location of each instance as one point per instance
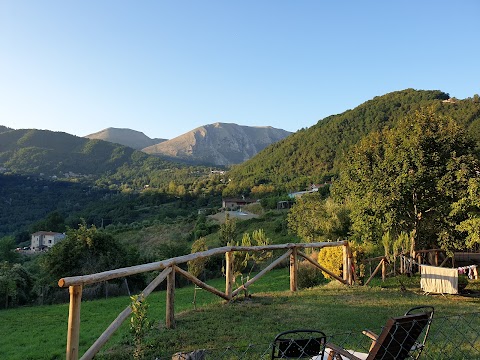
(331, 350)
(370, 334)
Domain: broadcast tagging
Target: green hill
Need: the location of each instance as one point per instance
(43, 171)
(4, 129)
(31, 151)
(313, 154)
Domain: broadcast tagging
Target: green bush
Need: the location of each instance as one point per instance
(331, 258)
(309, 276)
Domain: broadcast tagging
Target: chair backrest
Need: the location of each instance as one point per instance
(298, 344)
(420, 344)
(399, 337)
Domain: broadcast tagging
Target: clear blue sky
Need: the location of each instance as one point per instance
(167, 67)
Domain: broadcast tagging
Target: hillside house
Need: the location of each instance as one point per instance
(233, 203)
(42, 240)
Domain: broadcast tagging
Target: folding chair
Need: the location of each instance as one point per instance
(398, 339)
(419, 345)
(298, 344)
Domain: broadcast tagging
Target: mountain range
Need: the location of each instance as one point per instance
(218, 144)
(213, 144)
(98, 170)
(264, 155)
(31, 151)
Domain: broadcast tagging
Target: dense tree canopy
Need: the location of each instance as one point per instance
(407, 178)
(85, 250)
(315, 154)
(15, 285)
(467, 209)
(314, 219)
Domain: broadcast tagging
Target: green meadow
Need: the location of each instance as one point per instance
(40, 332)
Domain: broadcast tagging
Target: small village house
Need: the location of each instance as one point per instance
(233, 203)
(42, 240)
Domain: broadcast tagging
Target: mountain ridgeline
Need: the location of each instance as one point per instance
(126, 137)
(30, 151)
(313, 155)
(218, 144)
(4, 129)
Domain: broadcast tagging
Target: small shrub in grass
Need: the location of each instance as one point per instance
(139, 325)
(462, 282)
(309, 276)
(331, 258)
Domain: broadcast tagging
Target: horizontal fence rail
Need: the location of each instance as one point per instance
(159, 265)
(168, 270)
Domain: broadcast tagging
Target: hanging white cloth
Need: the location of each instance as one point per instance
(438, 280)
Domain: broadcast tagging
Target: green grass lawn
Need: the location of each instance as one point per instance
(40, 332)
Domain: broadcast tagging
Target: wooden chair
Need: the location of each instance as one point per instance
(400, 338)
(299, 344)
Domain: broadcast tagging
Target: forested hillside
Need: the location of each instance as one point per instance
(314, 154)
(4, 129)
(60, 155)
(54, 153)
(102, 182)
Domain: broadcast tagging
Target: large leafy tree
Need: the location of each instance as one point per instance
(85, 250)
(7, 250)
(53, 222)
(15, 285)
(406, 179)
(314, 219)
(468, 208)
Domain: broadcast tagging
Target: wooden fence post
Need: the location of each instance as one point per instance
(384, 269)
(351, 271)
(73, 333)
(375, 272)
(170, 307)
(345, 263)
(293, 270)
(228, 274)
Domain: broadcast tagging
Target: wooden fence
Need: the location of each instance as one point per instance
(169, 269)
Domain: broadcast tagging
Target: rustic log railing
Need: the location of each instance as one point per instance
(381, 265)
(170, 268)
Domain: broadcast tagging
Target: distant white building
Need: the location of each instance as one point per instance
(312, 188)
(45, 239)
